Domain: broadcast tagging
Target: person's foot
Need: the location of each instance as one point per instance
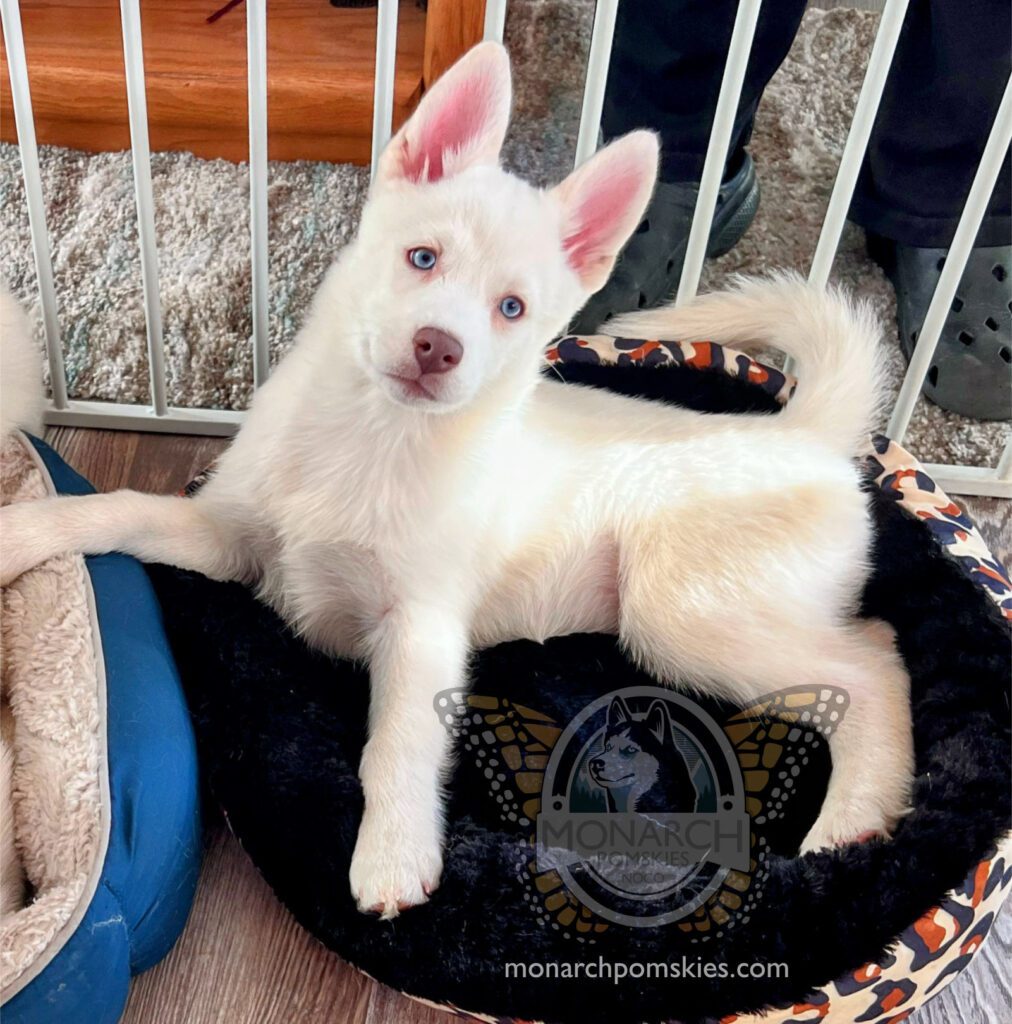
(648, 270)
(971, 370)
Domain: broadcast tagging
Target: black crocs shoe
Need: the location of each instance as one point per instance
(648, 269)
(971, 370)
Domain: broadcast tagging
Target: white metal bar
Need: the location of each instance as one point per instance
(495, 20)
(597, 79)
(854, 148)
(857, 139)
(121, 416)
(386, 61)
(1004, 470)
(955, 262)
(140, 153)
(17, 68)
(717, 147)
(256, 74)
(974, 480)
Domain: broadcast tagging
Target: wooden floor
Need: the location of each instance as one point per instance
(242, 959)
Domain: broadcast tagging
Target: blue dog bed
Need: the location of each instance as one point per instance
(146, 853)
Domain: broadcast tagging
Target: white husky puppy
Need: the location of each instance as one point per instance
(408, 487)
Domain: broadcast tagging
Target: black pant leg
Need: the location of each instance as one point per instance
(947, 79)
(666, 67)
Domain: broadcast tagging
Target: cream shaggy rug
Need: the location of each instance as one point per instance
(202, 222)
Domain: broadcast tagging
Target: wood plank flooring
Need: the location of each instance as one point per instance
(242, 958)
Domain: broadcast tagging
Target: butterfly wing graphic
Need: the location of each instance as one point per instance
(772, 740)
(510, 744)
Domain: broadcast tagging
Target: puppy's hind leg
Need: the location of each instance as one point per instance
(871, 747)
(714, 628)
(185, 532)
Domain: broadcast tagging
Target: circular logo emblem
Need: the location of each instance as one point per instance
(643, 808)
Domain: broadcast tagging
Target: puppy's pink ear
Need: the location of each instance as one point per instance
(603, 201)
(460, 122)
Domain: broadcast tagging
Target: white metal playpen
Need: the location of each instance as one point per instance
(159, 416)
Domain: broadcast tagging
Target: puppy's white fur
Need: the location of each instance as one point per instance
(20, 370)
(408, 529)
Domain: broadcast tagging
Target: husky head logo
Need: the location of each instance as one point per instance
(639, 765)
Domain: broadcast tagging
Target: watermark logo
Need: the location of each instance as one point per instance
(642, 810)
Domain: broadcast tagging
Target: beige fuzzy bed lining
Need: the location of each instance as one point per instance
(53, 678)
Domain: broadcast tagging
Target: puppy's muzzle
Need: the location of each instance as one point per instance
(436, 351)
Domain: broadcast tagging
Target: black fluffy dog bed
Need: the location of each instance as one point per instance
(281, 728)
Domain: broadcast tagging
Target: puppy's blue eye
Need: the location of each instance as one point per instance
(511, 307)
(422, 258)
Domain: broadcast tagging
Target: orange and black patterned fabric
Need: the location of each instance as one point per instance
(898, 474)
(700, 355)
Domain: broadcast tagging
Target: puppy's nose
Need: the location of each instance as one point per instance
(437, 351)
(597, 764)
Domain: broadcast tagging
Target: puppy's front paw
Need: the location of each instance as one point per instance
(393, 867)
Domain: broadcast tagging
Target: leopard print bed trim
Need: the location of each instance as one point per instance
(702, 355)
(933, 950)
(899, 475)
(926, 958)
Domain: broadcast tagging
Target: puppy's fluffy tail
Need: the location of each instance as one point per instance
(20, 370)
(834, 340)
